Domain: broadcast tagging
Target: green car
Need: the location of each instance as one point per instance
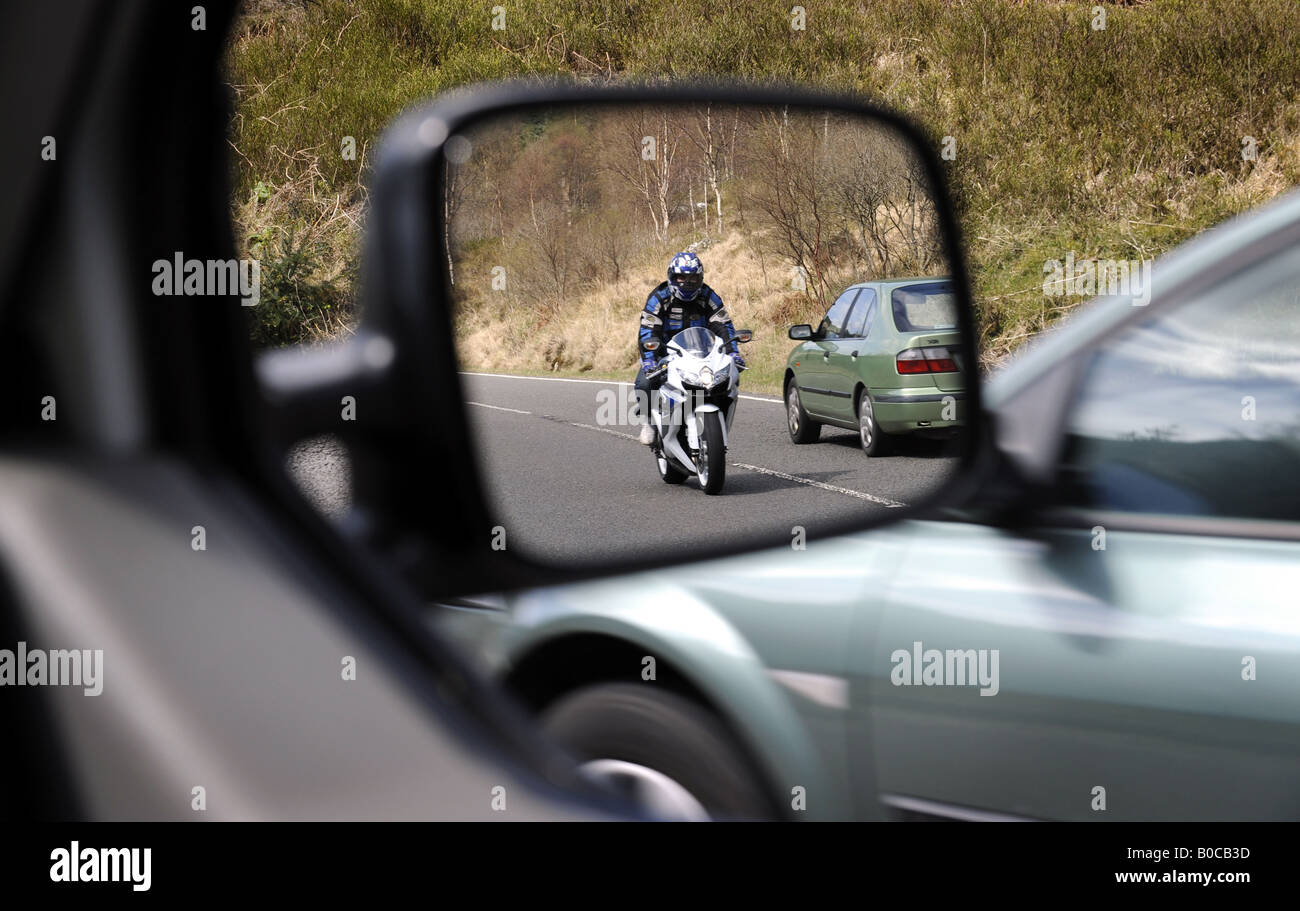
(884, 361)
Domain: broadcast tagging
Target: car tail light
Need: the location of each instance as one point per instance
(940, 360)
(911, 361)
(925, 360)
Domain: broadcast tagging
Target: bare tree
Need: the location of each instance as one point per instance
(788, 188)
(560, 196)
(453, 197)
(643, 157)
(701, 133)
(888, 204)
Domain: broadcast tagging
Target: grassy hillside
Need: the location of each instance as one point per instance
(1115, 143)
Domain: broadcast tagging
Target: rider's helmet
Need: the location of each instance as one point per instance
(685, 276)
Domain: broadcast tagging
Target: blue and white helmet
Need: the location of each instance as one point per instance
(685, 276)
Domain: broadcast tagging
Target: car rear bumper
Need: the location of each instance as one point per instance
(910, 410)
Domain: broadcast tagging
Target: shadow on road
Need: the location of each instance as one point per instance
(909, 446)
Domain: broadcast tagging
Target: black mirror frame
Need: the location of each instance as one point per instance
(417, 492)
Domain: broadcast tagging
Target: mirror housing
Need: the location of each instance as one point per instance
(744, 335)
(411, 430)
(801, 332)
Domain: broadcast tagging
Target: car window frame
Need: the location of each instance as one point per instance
(1229, 269)
(894, 305)
(821, 334)
(1280, 273)
(866, 320)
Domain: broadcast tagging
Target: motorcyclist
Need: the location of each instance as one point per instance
(681, 302)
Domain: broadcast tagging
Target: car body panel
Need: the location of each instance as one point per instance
(776, 671)
(815, 357)
(816, 370)
(841, 379)
(1119, 668)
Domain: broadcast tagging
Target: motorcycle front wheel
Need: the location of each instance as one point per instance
(711, 463)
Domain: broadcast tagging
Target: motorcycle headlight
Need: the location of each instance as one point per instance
(706, 376)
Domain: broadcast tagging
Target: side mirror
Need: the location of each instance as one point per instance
(650, 344)
(744, 335)
(801, 332)
(496, 432)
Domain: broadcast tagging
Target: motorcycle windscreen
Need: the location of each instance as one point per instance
(696, 340)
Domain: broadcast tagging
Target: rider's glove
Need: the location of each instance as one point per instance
(740, 361)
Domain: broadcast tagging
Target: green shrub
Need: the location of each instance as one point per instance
(295, 303)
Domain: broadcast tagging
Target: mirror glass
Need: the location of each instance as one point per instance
(606, 264)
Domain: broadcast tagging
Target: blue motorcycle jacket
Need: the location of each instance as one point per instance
(664, 316)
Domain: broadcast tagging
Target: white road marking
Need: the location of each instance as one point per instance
(820, 485)
(617, 433)
(891, 504)
(498, 407)
(882, 501)
(568, 379)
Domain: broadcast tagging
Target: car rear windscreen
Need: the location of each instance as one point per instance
(925, 307)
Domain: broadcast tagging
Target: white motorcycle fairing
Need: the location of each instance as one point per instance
(701, 379)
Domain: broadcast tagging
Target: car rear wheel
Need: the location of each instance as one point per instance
(802, 428)
(870, 435)
(663, 751)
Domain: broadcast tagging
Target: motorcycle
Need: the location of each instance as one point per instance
(692, 411)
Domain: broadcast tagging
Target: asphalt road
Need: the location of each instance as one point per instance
(568, 483)
(323, 472)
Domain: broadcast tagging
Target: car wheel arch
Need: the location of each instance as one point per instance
(560, 664)
(564, 664)
(859, 388)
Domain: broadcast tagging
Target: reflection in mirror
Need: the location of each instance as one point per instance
(608, 266)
